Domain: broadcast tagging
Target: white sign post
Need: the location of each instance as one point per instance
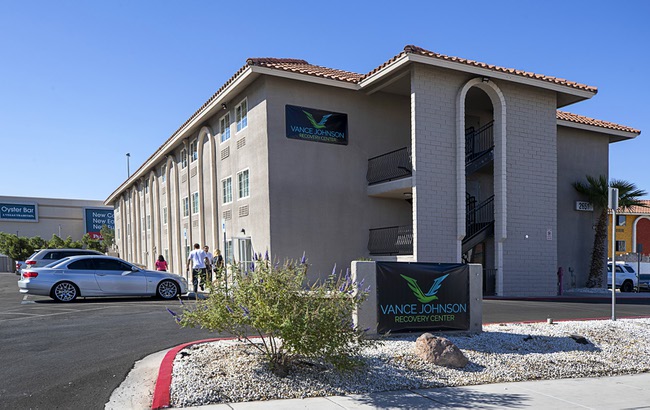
(612, 203)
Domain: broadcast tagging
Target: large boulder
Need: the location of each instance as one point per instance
(439, 351)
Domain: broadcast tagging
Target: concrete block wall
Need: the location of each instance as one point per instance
(530, 250)
(433, 138)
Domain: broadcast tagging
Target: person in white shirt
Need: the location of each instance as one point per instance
(208, 263)
(197, 261)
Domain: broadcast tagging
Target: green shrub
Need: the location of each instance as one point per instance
(293, 321)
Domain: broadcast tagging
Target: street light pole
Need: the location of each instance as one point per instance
(128, 170)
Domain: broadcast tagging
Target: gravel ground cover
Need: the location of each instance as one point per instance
(230, 371)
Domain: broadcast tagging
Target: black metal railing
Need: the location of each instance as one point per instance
(479, 216)
(394, 240)
(489, 282)
(478, 142)
(387, 167)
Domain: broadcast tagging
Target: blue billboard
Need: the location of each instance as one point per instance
(95, 218)
(19, 212)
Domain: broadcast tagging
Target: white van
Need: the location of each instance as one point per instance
(626, 279)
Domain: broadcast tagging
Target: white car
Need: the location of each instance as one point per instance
(98, 275)
(626, 279)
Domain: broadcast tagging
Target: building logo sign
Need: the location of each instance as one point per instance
(403, 305)
(19, 212)
(95, 218)
(310, 124)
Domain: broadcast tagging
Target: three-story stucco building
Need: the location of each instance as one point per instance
(426, 158)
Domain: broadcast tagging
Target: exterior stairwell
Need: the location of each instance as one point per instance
(479, 147)
(479, 222)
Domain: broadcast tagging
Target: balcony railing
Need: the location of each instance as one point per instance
(390, 166)
(479, 216)
(478, 142)
(394, 240)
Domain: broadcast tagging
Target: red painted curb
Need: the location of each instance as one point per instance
(164, 380)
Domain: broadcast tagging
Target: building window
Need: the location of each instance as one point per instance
(166, 254)
(620, 246)
(128, 229)
(148, 222)
(186, 206)
(224, 127)
(620, 220)
(163, 173)
(243, 186)
(195, 203)
(227, 252)
(164, 215)
(194, 150)
(241, 115)
(226, 186)
(183, 158)
(146, 186)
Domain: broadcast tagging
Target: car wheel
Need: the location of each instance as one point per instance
(167, 289)
(64, 292)
(627, 286)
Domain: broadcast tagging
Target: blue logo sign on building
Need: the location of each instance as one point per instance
(310, 124)
(96, 218)
(19, 212)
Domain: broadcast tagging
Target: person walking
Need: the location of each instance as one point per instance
(208, 263)
(161, 264)
(197, 261)
(218, 264)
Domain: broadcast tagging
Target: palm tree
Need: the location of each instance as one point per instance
(596, 191)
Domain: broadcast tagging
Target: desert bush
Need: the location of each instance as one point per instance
(293, 321)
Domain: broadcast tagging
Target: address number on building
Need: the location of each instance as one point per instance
(584, 206)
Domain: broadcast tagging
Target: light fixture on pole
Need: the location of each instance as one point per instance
(128, 170)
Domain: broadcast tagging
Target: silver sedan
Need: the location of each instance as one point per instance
(98, 275)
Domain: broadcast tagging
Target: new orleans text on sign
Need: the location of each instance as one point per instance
(19, 212)
(311, 124)
(422, 296)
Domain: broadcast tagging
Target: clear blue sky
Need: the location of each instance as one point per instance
(85, 82)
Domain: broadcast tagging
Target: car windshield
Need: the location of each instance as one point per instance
(55, 263)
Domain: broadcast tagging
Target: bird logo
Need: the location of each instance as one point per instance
(318, 125)
(431, 294)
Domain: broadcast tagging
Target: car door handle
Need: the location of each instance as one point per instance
(100, 274)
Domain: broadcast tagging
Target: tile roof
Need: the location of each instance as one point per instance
(643, 210)
(303, 67)
(580, 119)
(411, 49)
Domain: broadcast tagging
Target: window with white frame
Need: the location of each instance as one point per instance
(194, 150)
(224, 127)
(241, 115)
(195, 203)
(620, 220)
(245, 253)
(164, 215)
(183, 158)
(243, 186)
(226, 187)
(146, 186)
(128, 229)
(148, 222)
(186, 206)
(163, 173)
(620, 246)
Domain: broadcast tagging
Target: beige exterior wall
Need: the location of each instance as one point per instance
(580, 153)
(68, 214)
(317, 191)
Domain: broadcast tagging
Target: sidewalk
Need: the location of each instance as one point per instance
(617, 392)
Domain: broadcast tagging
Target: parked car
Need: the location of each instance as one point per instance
(644, 281)
(19, 266)
(44, 257)
(626, 279)
(98, 275)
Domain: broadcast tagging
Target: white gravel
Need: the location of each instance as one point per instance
(228, 371)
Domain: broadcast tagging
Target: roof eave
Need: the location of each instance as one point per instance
(575, 94)
(614, 135)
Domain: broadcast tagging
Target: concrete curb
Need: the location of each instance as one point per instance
(161, 394)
